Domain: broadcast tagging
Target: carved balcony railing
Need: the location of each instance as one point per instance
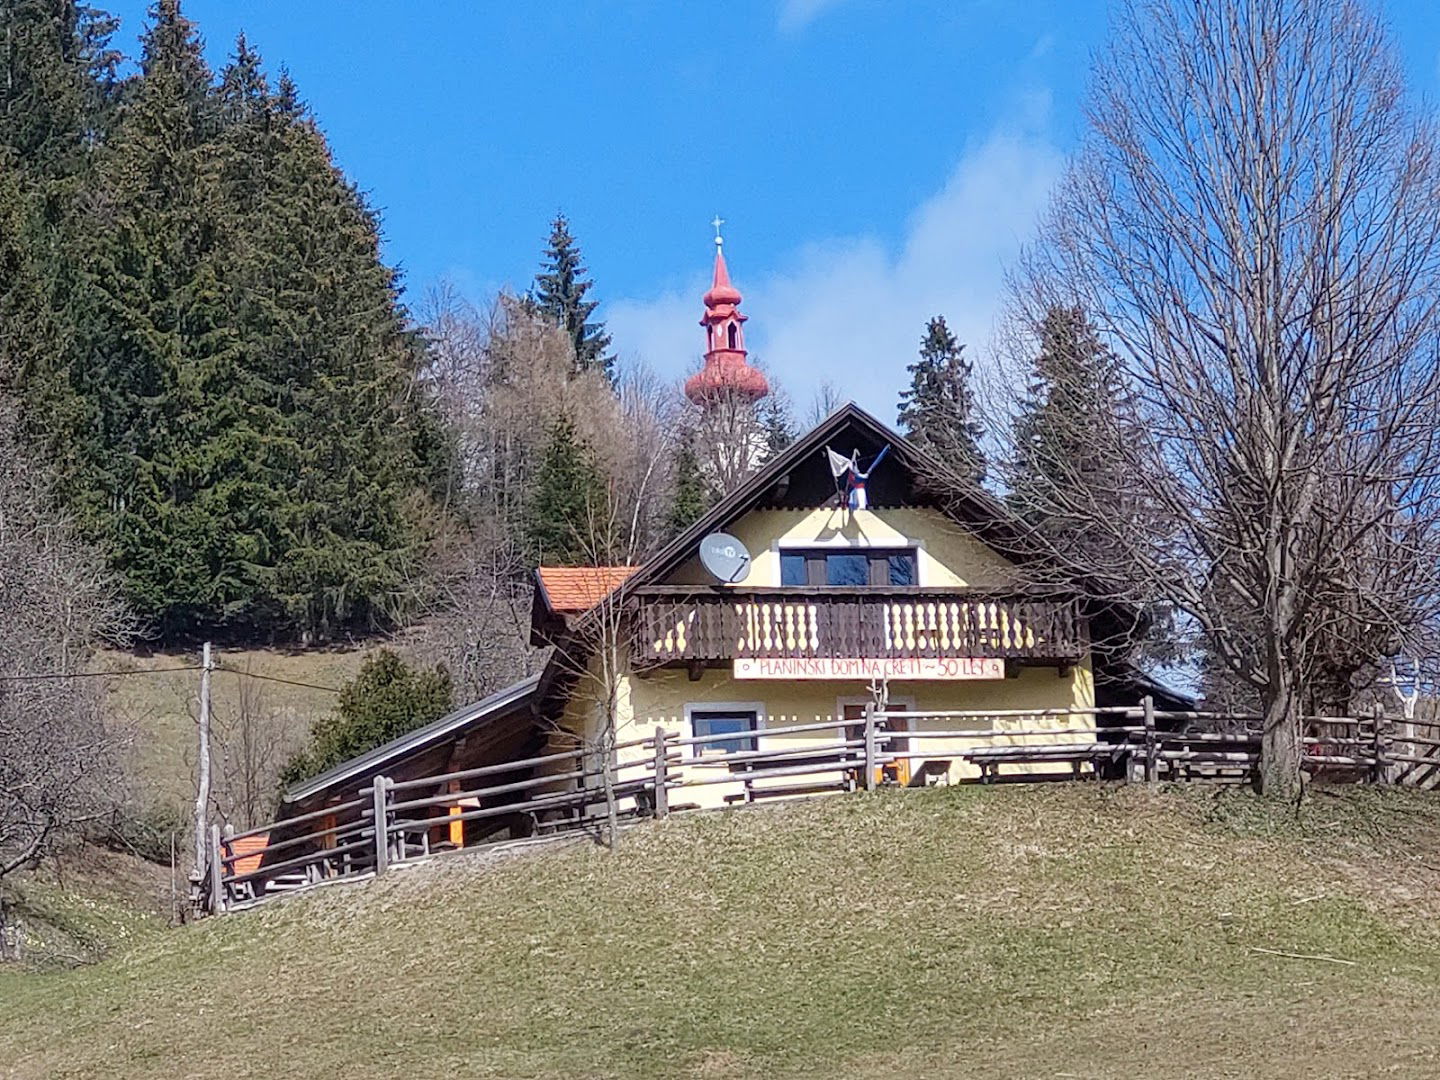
(705, 624)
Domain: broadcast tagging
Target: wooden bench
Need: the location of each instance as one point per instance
(589, 806)
(990, 758)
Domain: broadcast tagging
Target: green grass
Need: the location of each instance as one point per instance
(86, 903)
(159, 709)
(1065, 930)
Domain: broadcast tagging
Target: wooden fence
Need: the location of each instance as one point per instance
(389, 823)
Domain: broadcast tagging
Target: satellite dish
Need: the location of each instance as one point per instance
(725, 557)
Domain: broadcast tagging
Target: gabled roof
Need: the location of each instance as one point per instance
(501, 703)
(570, 590)
(921, 479)
(789, 479)
(966, 502)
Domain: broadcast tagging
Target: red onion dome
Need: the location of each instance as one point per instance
(726, 374)
(721, 291)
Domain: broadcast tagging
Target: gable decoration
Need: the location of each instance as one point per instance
(855, 477)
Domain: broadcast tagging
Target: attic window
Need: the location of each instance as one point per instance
(849, 569)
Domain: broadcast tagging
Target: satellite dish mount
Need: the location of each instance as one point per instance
(724, 557)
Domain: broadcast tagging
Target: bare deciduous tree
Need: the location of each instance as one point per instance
(503, 376)
(1252, 226)
(596, 651)
(826, 399)
(729, 439)
(59, 763)
(254, 739)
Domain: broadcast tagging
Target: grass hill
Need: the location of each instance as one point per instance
(160, 707)
(1059, 930)
(87, 902)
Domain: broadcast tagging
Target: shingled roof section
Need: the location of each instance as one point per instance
(571, 590)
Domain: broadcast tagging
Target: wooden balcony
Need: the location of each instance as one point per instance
(705, 625)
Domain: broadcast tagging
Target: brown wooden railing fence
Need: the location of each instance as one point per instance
(391, 824)
(683, 624)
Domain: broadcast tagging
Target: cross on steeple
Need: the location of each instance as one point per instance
(719, 240)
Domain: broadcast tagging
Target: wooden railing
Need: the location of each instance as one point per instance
(565, 792)
(876, 623)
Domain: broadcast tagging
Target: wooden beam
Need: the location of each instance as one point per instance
(381, 818)
(457, 828)
(662, 777)
(217, 873)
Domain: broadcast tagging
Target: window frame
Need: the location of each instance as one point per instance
(816, 561)
(755, 708)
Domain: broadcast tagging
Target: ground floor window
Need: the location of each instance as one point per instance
(742, 723)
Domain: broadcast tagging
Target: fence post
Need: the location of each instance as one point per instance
(662, 779)
(870, 746)
(382, 827)
(217, 873)
(1152, 765)
(1379, 772)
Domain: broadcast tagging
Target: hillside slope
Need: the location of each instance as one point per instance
(1060, 930)
(85, 902)
(160, 708)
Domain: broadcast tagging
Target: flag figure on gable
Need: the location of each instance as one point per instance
(855, 477)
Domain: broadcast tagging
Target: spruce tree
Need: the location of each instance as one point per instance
(354, 452)
(57, 82)
(386, 699)
(559, 295)
(1074, 392)
(938, 410)
(256, 452)
(1068, 437)
(778, 430)
(565, 525)
(57, 79)
(23, 298)
(689, 494)
(150, 322)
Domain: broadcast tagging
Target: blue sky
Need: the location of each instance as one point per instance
(877, 161)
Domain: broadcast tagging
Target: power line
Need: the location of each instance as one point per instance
(278, 679)
(94, 674)
(60, 675)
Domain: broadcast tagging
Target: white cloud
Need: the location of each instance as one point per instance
(795, 15)
(1044, 46)
(850, 310)
(663, 332)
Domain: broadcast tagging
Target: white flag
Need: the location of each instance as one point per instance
(839, 465)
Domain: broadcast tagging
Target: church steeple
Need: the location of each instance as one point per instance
(726, 371)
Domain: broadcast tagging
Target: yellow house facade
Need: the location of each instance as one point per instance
(796, 639)
(914, 606)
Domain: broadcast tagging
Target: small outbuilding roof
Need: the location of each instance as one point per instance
(502, 703)
(571, 590)
(249, 851)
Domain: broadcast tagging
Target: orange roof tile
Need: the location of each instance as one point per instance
(573, 589)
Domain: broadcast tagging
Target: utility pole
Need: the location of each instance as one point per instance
(202, 786)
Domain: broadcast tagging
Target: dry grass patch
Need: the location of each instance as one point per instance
(160, 707)
(1081, 929)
